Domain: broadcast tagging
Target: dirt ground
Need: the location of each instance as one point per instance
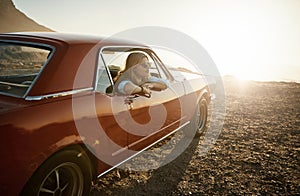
(257, 152)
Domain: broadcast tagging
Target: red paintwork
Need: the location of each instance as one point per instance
(31, 131)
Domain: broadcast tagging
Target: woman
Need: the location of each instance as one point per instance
(136, 79)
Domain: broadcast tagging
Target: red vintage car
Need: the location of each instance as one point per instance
(61, 122)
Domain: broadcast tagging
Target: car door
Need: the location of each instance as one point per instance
(152, 118)
(145, 120)
(107, 139)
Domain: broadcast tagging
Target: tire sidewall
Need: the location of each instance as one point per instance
(192, 129)
(78, 158)
(202, 105)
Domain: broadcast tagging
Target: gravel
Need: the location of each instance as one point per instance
(257, 152)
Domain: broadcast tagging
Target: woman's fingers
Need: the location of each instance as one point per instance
(147, 90)
(148, 85)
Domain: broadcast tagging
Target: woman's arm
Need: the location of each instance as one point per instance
(155, 86)
(128, 88)
(157, 83)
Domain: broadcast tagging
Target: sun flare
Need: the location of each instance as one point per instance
(252, 73)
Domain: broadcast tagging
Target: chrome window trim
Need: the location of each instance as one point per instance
(42, 70)
(54, 95)
(36, 45)
(163, 66)
(97, 70)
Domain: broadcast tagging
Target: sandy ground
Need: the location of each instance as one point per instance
(257, 152)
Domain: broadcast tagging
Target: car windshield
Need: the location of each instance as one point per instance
(19, 66)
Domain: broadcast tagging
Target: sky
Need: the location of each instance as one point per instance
(250, 39)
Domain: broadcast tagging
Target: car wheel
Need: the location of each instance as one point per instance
(65, 173)
(198, 122)
(201, 116)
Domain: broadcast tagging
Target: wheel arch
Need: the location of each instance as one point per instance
(82, 148)
(75, 145)
(78, 150)
(204, 93)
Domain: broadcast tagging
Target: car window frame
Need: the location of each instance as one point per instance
(52, 50)
(147, 50)
(161, 65)
(100, 60)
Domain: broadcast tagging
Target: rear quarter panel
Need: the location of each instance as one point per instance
(29, 135)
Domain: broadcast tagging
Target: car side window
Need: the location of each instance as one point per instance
(115, 57)
(103, 80)
(20, 65)
(156, 70)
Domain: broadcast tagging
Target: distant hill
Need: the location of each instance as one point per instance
(13, 20)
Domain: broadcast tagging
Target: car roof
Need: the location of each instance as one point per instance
(72, 53)
(72, 38)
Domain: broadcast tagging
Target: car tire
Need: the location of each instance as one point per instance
(198, 123)
(67, 172)
(201, 116)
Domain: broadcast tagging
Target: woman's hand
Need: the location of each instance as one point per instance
(148, 85)
(146, 90)
(157, 86)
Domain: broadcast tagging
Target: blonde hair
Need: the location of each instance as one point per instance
(132, 60)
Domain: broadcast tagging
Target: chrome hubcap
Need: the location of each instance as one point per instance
(65, 179)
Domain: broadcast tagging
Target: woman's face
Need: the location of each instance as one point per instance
(142, 69)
